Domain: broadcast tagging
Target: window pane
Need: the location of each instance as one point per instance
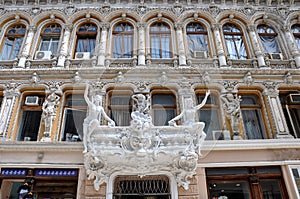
(237, 190)
(164, 108)
(120, 109)
(268, 39)
(271, 189)
(164, 99)
(30, 124)
(296, 174)
(73, 130)
(252, 124)
(160, 41)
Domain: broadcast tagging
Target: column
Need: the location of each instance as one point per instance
(180, 44)
(64, 46)
(102, 46)
(272, 95)
(259, 54)
(27, 45)
(141, 44)
(10, 95)
(221, 53)
(291, 45)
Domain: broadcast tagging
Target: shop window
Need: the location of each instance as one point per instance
(209, 114)
(49, 42)
(268, 38)
(122, 41)
(296, 33)
(153, 187)
(197, 40)
(234, 40)
(86, 41)
(252, 117)
(290, 103)
(246, 183)
(31, 118)
(120, 105)
(74, 115)
(164, 108)
(12, 42)
(160, 36)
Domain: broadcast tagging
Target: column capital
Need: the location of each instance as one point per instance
(32, 28)
(215, 27)
(270, 89)
(179, 25)
(11, 90)
(141, 25)
(105, 25)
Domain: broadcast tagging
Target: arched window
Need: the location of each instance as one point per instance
(160, 36)
(234, 42)
(197, 40)
(122, 41)
(296, 33)
(86, 40)
(50, 38)
(12, 42)
(268, 39)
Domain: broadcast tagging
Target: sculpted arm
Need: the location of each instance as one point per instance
(86, 97)
(203, 101)
(172, 122)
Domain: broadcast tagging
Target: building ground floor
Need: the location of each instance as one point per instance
(267, 169)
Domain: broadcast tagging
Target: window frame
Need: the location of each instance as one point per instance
(110, 107)
(258, 108)
(66, 108)
(233, 38)
(198, 33)
(27, 109)
(51, 35)
(265, 34)
(159, 35)
(86, 36)
(296, 34)
(8, 35)
(123, 34)
(161, 107)
(209, 107)
(286, 105)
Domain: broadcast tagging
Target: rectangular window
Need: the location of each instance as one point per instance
(296, 174)
(31, 118)
(209, 114)
(120, 108)
(164, 108)
(74, 115)
(252, 117)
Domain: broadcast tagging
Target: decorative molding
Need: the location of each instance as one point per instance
(142, 148)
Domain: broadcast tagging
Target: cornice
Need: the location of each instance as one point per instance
(242, 145)
(7, 146)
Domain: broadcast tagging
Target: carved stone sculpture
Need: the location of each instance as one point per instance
(142, 148)
(49, 113)
(231, 104)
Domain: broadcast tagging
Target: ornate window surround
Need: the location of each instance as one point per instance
(40, 28)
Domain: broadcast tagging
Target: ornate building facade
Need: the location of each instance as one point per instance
(150, 99)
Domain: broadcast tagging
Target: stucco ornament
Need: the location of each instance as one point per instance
(231, 105)
(142, 148)
(49, 112)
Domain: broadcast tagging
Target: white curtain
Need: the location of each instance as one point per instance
(252, 124)
(197, 42)
(155, 46)
(270, 44)
(236, 47)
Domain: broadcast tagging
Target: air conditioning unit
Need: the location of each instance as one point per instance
(221, 135)
(200, 54)
(82, 55)
(43, 55)
(294, 98)
(275, 56)
(32, 101)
